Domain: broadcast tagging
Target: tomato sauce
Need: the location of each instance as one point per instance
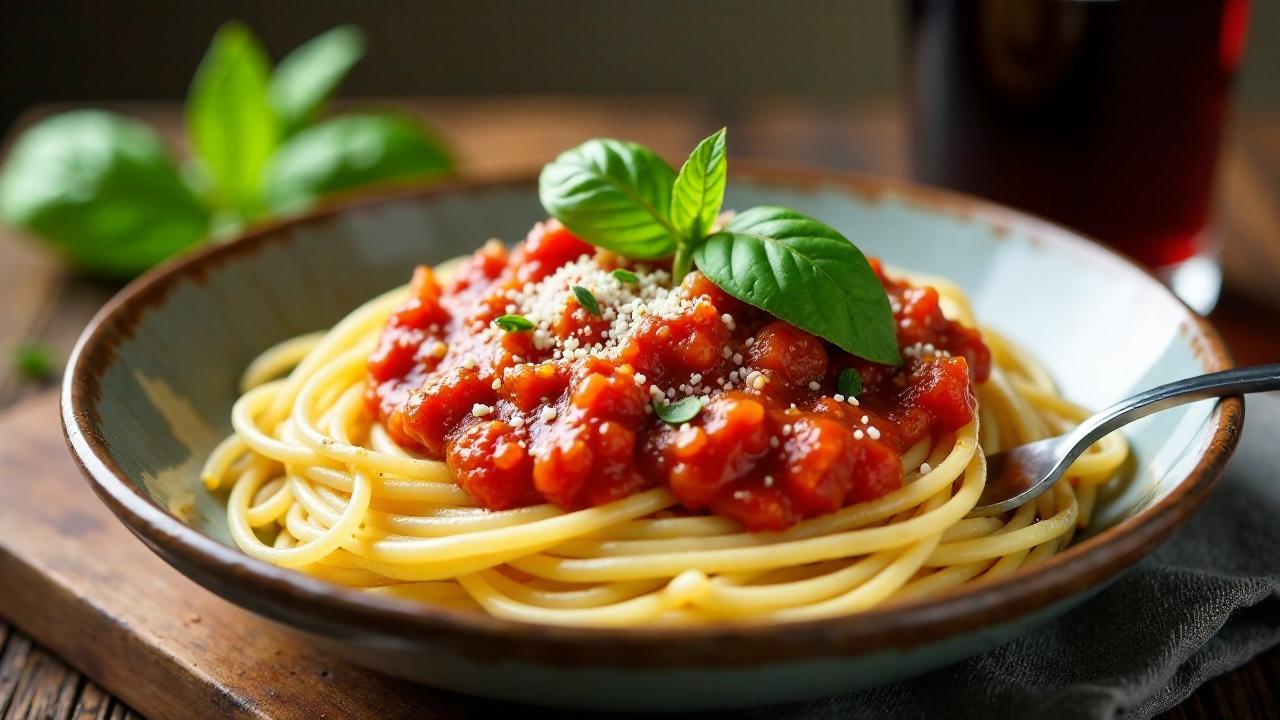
(525, 416)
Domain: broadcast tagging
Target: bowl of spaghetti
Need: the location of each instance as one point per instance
(574, 472)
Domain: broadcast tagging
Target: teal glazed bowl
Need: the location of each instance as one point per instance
(150, 386)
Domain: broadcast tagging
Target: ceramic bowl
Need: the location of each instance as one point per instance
(151, 383)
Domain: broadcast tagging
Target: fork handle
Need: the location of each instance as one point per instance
(1237, 381)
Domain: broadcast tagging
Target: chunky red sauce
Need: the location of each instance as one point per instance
(518, 425)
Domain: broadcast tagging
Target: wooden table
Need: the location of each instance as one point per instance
(494, 136)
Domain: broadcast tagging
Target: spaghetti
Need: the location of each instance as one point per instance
(317, 482)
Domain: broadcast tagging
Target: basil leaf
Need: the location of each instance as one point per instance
(306, 78)
(625, 276)
(514, 323)
(699, 188)
(678, 412)
(34, 360)
(352, 151)
(586, 300)
(103, 189)
(805, 273)
(613, 194)
(231, 125)
(849, 383)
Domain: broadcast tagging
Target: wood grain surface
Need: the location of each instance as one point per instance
(105, 612)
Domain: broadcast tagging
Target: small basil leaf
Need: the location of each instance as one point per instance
(586, 300)
(514, 323)
(805, 273)
(699, 188)
(103, 189)
(625, 276)
(849, 383)
(681, 411)
(613, 194)
(352, 151)
(33, 360)
(230, 124)
(306, 78)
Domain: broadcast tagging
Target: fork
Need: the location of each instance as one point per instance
(1021, 474)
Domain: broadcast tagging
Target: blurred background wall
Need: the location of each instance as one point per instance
(95, 50)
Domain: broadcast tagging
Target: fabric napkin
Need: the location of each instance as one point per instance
(1206, 602)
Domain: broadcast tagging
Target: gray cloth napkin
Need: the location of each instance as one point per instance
(1205, 602)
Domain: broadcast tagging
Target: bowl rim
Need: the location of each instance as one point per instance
(314, 603)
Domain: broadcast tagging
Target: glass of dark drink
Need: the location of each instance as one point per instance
(1103, 115)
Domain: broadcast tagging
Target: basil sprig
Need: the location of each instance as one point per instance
(623, 197)
(105, 191)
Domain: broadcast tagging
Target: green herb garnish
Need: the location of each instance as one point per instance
(697, 196)
(625, 276)
(307, 77)
(805, 273)
(623, 197)
(33, 360)
(231, 124)
(106, 192)
(513, 323)
(352, 151)
(586, 300)
(103, 190)
(613, 194)
(849, 383)
(681, 411)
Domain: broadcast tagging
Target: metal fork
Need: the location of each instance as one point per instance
(1020, 474)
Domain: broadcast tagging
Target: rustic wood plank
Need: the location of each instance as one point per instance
(29, 276)
(93, 704)
(122, 712)
(47, 689)
(13, 663)
(31, 280)
(62, 307)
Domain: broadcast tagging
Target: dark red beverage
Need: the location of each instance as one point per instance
(1102, 115)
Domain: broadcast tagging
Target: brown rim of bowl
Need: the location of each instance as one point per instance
(1081, 566)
